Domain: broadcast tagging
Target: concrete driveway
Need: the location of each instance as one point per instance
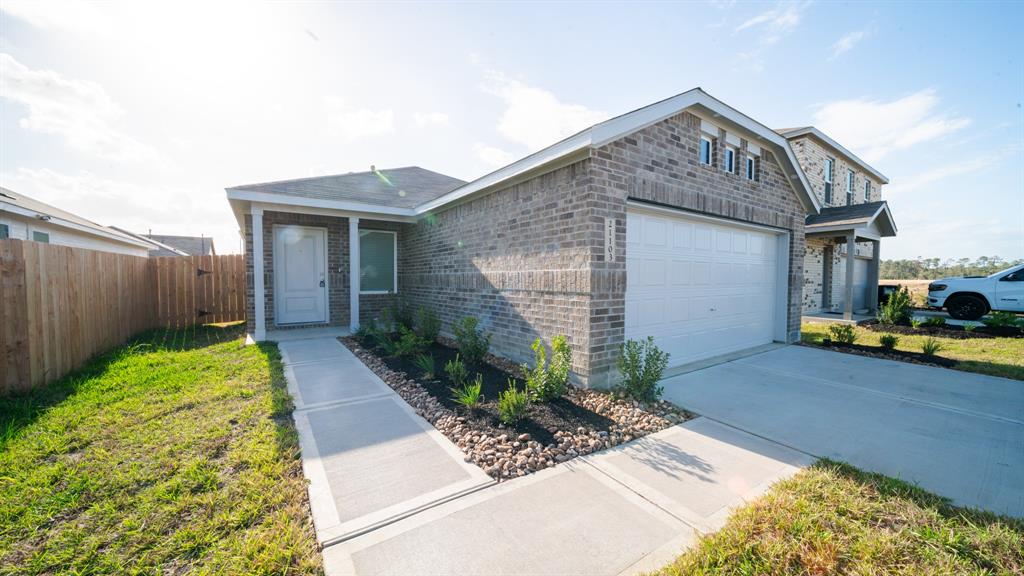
(956, 434)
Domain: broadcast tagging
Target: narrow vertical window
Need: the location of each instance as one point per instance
(849, 187)
(730, 160)
(751, 168)
(705, 151)
(5, 232)
(867, 190)
(828, 180)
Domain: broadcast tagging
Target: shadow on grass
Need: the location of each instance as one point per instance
(22, 409)
(889, 487)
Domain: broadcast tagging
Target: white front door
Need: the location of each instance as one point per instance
(700, 287)
(300, 274)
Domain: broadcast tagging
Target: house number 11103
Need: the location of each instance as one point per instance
(609, 240)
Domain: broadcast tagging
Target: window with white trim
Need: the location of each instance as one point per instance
(751, 168)
(5, 231)
(730, 160)
(849, 187)
(867, 190)
(378, 261)
(705, 151)
(829, 171)
(43, 237)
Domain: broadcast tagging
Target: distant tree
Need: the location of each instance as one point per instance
(931, 268)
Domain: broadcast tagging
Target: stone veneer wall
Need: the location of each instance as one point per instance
(516, 258)
(660, 164)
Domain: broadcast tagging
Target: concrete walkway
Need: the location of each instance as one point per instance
(391, 495)
(957, 434)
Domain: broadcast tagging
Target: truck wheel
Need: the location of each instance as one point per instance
(966, 307)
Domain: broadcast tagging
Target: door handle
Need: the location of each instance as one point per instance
(322, 284)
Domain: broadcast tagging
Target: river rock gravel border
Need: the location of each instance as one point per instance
(504, 454)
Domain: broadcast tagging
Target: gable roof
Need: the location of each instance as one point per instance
(155, 248)
(17, 203)
(853, 216)
(398, 187)
(190, 245)
(791, 133)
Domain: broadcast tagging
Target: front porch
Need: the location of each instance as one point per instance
(836, 318)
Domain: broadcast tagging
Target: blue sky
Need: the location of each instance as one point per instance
(139, 114)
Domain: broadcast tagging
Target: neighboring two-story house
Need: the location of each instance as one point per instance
(853, 218)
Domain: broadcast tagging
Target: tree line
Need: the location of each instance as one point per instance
(931, 268)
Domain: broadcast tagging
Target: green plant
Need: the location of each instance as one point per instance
(409, 343)
(969, 327)
(930, 346)
(641, 364)
(936, 321)
(471, 340)
(401, 314)
(896, 309)
(456, 371)
(547, 381)
(386, 345)
(916, 323)
(512, 404)
(842, 333)
(426, 365)
(428, 325)
(889, 341)
(1002, 320)
(468, 394)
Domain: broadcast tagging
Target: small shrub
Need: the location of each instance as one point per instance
(472, 342)
(930, 346)
(426, 365)
(916, 323)
(428, 325)
(641, 364)
(362, 334)
(1002, 320)
(387, 345)
(547, 381)
(969, 327)
(842, 333)
(937, 321)
(889, 341)
(468, 395)
(456, 371)
(896, 309)
(512, 404)
(409, 343)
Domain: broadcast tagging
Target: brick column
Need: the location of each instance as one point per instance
(257, 275)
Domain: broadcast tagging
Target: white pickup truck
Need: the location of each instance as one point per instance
(971, 297)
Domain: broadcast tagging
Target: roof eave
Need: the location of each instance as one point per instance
(58, 221)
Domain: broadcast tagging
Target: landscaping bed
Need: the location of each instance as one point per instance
(579, 422)
(948, 331)
(879, 352)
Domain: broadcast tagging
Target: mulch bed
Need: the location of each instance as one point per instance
(948, 331)
(879, 352)
(582, 422)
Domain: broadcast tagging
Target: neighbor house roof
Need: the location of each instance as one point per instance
(367, 192)
(791, 133)
(155, 248)
(852, 217)
(396, 187)
(17, 203)
(191, 245)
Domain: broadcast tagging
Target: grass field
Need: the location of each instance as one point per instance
(835, 519)
(993, 356)
(175, 453)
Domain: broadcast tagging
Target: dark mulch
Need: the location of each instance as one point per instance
(949, 331)
(879, 352)
(542, 420)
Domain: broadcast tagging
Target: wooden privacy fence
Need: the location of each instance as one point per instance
(61, 305)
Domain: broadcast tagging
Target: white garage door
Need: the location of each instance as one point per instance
(700, 288)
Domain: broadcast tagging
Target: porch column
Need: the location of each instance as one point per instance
(873, 273)
(353, 272)
(259, 292)
(851, 253)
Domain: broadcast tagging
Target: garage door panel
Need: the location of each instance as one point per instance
(699, 288)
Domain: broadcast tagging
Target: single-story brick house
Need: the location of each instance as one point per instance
(685, 220)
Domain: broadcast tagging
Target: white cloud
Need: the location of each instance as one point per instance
(775, 23)
(535, 117)
(873, 128)
(430, 118)
(846, 43)
(942, 172)
(492, 156)
(70, 15)
(356, 123)
(81, 112)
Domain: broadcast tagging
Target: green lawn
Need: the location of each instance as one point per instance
(173, 454)
(835, 519)
(994, 356)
